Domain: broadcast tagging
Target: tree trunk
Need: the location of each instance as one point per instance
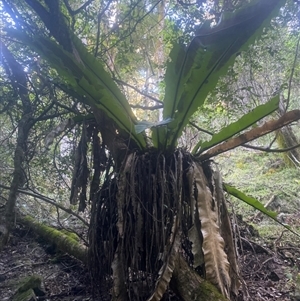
(190, 286)
(19, 81)
(8, 218)
(286, 139)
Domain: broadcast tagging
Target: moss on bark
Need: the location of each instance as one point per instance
(190, 286)
(65, 243)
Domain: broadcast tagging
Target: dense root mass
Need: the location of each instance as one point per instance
(157, 207)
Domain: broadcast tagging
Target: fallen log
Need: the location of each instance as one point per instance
(65, 243)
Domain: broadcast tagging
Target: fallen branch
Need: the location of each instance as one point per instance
(63, 242)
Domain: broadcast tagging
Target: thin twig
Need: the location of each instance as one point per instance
(48, 200)
(276, 150)
(151, 108)
(137, 90)
(200, 129)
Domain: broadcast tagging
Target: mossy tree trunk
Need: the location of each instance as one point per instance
(190, 286)
(61, 241)
(286, 138)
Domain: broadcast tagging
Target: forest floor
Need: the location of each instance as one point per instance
(268, 253)
(64, 278)
(268, 269)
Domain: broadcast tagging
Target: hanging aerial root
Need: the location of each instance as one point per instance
(149, 202)
(171, 249)
(103, 232)
(118, 265)
(156, 207)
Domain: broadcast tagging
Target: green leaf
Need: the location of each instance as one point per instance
(190, 76)
(89, 80)
(256, 204)
(173, 80)
(240, 125)
(96, 68)
(173, 88)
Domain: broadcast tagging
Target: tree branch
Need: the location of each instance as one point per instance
(54, 21)
(146, 107)
(49, 201)
(137, 90)
(266, 128)
(131, 31)
(77, 11)
(269, 150)
(200, 129)
(100, 15)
